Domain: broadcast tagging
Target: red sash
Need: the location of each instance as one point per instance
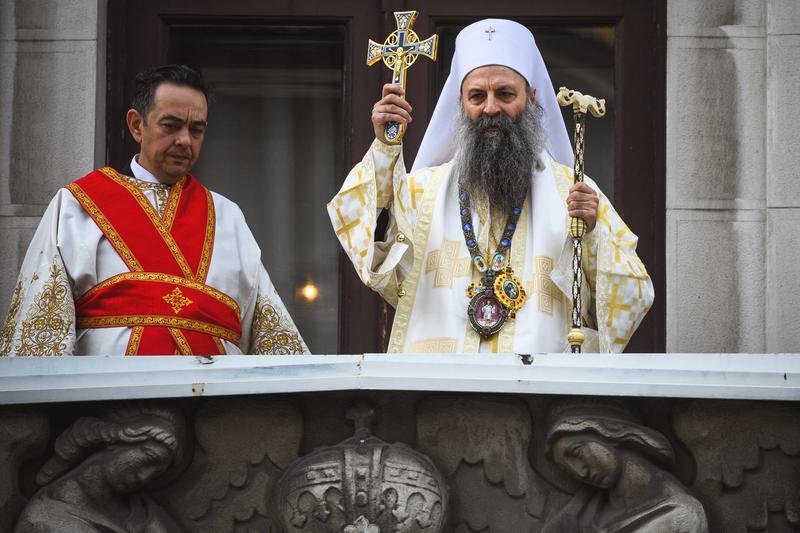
(164, 298)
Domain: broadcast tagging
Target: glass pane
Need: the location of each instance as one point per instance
(578, 57)
(274, 146)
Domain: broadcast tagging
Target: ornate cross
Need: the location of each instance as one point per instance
(489, 32)
(399, 51)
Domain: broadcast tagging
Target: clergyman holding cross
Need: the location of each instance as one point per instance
(492, 180)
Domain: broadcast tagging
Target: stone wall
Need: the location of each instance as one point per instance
(52, 112)
(408, 462)
(733, 260)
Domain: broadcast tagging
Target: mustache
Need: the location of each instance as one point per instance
(496, 156)
(502, 123)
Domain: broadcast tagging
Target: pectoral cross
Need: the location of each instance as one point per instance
(399, 51)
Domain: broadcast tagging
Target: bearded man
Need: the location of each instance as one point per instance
(482, 219)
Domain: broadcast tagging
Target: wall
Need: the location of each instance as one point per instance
(733, 68)
(52, 112)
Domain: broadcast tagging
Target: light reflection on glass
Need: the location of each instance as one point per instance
(309, 291)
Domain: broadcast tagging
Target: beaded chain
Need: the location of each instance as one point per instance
(471, 241)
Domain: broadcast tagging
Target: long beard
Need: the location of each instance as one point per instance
(499, 163)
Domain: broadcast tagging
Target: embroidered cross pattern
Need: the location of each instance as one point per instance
(345, 227)
(177, 300)
(446, 264)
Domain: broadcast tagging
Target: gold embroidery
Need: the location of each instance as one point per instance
(180, 342)
(421, 232)
(616, 305)
(271, 334)
(414, 191)
(177, 300)
(220, 346)
(172, 203)
(345, 227)
(134, 341)
(439, 345)
(167, 278)
(122, 321)
(154, 217)
(10, 324)
(357, 191)
(48, 323)
(447, 265)
(161, 190)
(208, 243)
(543, 285)
(109, 230)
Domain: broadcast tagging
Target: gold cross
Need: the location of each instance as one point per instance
(543, 285)
(446, 264)
(615, 305)
(399, 51)
(413, 190)
(356, 190)
(176, 300)
(489, 31)
(345, 227)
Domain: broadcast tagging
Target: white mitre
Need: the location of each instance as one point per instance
(492, 42)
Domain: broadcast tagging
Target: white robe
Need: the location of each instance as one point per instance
(69, 255)
(424, 268)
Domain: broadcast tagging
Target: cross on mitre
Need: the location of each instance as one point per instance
(489, 32)
(399, 51)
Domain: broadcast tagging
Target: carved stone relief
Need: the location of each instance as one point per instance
(95, 481)
(624, 468)
(481, 445)
(748, 462)
(242, 447)
(362, 485)
(23, 435)
(473, 463)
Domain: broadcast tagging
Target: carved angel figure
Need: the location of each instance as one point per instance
(622, 465)
(95, 480)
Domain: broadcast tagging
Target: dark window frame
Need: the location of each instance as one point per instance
(138, 35)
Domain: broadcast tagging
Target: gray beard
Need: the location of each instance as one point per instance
(499, 164)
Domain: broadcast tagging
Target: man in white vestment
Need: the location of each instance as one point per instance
(488, 199)
(147, 261)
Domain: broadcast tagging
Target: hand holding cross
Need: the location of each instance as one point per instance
(399, 52)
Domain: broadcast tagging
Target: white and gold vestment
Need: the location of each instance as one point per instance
(423, 267)
(69, 255)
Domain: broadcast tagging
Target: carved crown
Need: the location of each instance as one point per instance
(362, 485)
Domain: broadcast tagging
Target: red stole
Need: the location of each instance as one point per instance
(164, 298)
